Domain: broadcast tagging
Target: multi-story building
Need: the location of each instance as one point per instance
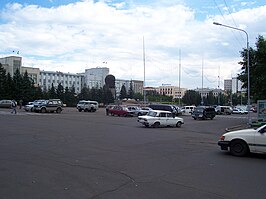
(95, 77)
(33, 73)
(137, 86)
(228, 85)
(11, 64)
(173, 91)
(47, 78)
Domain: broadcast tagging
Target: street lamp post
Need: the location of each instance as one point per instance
(218, 24)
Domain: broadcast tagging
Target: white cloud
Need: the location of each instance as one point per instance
(81, 35)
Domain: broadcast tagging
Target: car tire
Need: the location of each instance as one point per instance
(43, 110)
(80, 109)
(239, 148)
(58, 110)
(156, 125)
(146, 125)
(178, 124)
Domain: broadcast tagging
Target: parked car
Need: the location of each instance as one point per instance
(239, 111)
(159, 118)
(241, 142)
(187, 110)
(163, 107)
(226, 110)
(137, 111)
(203, 112)
(87, 106)
(29, 106)
(120, 111)
(51, 105)
(5, 103)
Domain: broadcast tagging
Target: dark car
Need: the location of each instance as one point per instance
(51, 105)
(164, 107)
(203, 112)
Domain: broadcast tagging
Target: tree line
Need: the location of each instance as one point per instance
(21, 86)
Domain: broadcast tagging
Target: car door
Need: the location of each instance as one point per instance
(163, 119)
(170, 119)
(260, 140)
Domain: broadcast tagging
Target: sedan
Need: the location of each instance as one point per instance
(241, 142)
(120, 111)
(5, 103)
(158, 118)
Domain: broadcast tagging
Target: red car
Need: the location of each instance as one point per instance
(120, 111)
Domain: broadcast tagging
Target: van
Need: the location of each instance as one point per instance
(226, 110)
(87, 106)
(187, 110)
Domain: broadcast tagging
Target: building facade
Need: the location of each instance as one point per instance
(33, 73)
(173, 91)
(137, 86)
(47, 78)
(11, 64)
(95, 77)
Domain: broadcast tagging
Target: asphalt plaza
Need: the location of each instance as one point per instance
(91, 155)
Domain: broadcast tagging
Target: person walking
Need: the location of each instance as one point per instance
(14, 107)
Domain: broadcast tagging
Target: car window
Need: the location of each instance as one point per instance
(162, 115)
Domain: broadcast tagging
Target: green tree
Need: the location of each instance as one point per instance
(257, 63)
(3, 79)
(60, 91)
(18, 83)
(52, 93)
(123, 92)
(131, 91)
(191, 97)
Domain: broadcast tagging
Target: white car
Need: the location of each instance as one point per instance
(157, 118)
(241, 142)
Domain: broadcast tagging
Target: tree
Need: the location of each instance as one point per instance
(123, 92)
(257, 63)
(18, 86)
(60, 91)
(3, 79)
(51, 92)
(131, 91)
(191, 97)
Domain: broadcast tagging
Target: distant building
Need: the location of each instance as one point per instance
(173, 91)
(11, 64)
(204, 92)
(33, 73)
(95, 77)
(137, 86)
(233, 85)
(228, 85)
(47, 78)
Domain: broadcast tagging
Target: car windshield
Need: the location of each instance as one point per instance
(151, 113)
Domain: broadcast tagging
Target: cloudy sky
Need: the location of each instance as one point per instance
(71, 36)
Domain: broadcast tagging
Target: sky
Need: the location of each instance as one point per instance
(180, 43)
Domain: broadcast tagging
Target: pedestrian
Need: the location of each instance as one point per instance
(20, 103)
(14, 107)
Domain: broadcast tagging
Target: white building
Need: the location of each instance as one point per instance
(11, 64)
(137, 86)
(174, 91)
(95, 77)
(47, 78)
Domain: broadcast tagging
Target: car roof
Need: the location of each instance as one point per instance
(160, 111)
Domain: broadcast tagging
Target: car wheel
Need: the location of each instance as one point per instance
(80, 109)
(178, 124)
(58, 110)
(211, 118)
(31, 110)
(112, 114)
(156, 124)
(43, 110)
(238, 148)
(146, 125)
(194, 118)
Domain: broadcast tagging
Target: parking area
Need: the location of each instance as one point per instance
(91, 155)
